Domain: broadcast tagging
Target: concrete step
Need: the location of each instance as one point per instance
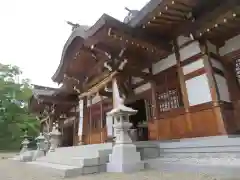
(78, 151)
(93, 148)
(64, 171)
(82, 159)
(57, 169)
(77, 161)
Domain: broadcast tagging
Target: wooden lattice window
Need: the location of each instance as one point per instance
(168, 100)
(237, 68)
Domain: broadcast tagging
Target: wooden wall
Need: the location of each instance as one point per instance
(199, 122)
(95, 130)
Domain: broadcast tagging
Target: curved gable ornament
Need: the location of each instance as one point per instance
(131, 15)
(78, 34)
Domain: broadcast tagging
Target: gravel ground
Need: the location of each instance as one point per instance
(13, 170)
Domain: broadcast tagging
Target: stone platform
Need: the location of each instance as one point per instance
(212, 155)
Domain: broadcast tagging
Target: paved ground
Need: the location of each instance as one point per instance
(13, 170)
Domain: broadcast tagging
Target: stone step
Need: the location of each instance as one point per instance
(75, 161)
(102, 158)
(64, 171)
(80, 151)
(58, 170)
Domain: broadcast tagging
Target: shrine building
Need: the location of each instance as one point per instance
(177, 62)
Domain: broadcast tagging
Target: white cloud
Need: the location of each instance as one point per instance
(33, 32)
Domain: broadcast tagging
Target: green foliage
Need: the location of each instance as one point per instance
(14, 114)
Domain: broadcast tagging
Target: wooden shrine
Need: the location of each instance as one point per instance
(52, 105)
(176, 62)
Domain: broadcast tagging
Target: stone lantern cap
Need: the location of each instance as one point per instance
(40, 137)
(121, 109)
(25, 141)
(55, 131)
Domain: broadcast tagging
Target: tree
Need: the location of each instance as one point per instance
(14, 114)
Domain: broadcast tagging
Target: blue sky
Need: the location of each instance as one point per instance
(33, 32)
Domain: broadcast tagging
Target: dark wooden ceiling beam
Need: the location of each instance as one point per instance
(179, 10)
(52, 100)
(136, 72)
(191, 27)
(176, 15)
(170, 17)
(104, 93)
(138, 84)
(139, 38)
(167, 18)
(160, 22)
(103, 49)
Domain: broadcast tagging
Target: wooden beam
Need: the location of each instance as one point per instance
(135, 72)
(104, 49)
(59, 101)
(192, 27)
(135, 39)
(104, 93)
(95, 68)
(134, 86)
(97, 87)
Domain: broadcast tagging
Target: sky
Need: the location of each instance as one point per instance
(33, 32)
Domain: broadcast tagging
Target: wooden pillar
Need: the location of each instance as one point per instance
(85, 123)
(155, 109)
(212, 80)
(154, 101)
(90, 120)
(183, 87)
(75, 128)
(213, 88)
(77, 117)
(101, 119)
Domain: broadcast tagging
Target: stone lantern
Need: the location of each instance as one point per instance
(124, 157)
(54, 138)
(24, 143)
(40, 146)
(25, 154)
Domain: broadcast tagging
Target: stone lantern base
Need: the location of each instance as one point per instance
(124, 158)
